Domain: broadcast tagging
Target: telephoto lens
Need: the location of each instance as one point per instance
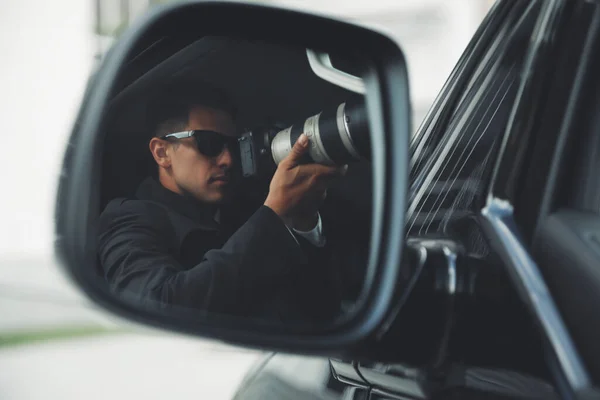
(338, 136)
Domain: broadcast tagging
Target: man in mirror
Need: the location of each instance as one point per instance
(186, 240)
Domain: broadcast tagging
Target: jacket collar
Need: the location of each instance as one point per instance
(186, 213)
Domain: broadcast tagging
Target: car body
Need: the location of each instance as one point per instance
(502, 225)
(488, 189)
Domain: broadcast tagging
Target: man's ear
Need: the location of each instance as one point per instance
(158, 148)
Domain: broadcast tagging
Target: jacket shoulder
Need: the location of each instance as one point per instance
(133, 210)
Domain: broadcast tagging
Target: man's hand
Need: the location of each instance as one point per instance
(298, 190)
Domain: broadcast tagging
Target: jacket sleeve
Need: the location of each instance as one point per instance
(137, 261)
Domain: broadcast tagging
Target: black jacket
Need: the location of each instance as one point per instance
(167, 248)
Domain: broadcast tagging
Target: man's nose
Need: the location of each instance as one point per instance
(225, 159)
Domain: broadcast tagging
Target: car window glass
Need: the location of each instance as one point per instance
(447, 182)
(483, 51)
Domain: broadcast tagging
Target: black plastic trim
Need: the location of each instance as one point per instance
(569, 251)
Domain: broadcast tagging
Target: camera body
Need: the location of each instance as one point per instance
(338, 136)
(255, 152)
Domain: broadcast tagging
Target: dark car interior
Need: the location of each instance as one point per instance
(271, 85)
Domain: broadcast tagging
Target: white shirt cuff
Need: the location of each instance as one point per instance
(314, 236)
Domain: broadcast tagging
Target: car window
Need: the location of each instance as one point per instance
(449, 173)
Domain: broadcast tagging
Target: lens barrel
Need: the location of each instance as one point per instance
(338, 136)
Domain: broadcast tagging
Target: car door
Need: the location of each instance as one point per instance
(478, 181)
(543, 206)
(453, 158)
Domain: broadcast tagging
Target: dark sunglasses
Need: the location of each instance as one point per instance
(209, 143)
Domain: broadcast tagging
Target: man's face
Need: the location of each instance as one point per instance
(205, 178)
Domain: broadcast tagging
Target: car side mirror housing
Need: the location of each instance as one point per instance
(288, 72)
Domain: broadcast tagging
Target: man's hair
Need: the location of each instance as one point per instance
(172, 102)
(170, 109)
(171, 126)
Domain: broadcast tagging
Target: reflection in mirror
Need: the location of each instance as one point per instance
(210, 203)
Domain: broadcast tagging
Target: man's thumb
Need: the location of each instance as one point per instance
(300, 147)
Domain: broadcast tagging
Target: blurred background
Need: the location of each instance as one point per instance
(53, 342)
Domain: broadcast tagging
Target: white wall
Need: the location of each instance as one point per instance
(47, 51)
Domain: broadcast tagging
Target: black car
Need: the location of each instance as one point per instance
(495, 294)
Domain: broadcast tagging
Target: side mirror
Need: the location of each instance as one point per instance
(165, 211)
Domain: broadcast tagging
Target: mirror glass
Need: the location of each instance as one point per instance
(208, 205)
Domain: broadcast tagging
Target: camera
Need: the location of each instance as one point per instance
(338, 136)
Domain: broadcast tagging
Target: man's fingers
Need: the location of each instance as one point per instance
(327, 171)
(298, 150)
(318, 174)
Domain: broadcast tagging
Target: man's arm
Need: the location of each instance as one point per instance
(136, 260)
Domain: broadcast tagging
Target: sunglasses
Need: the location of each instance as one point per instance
(209, 143)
